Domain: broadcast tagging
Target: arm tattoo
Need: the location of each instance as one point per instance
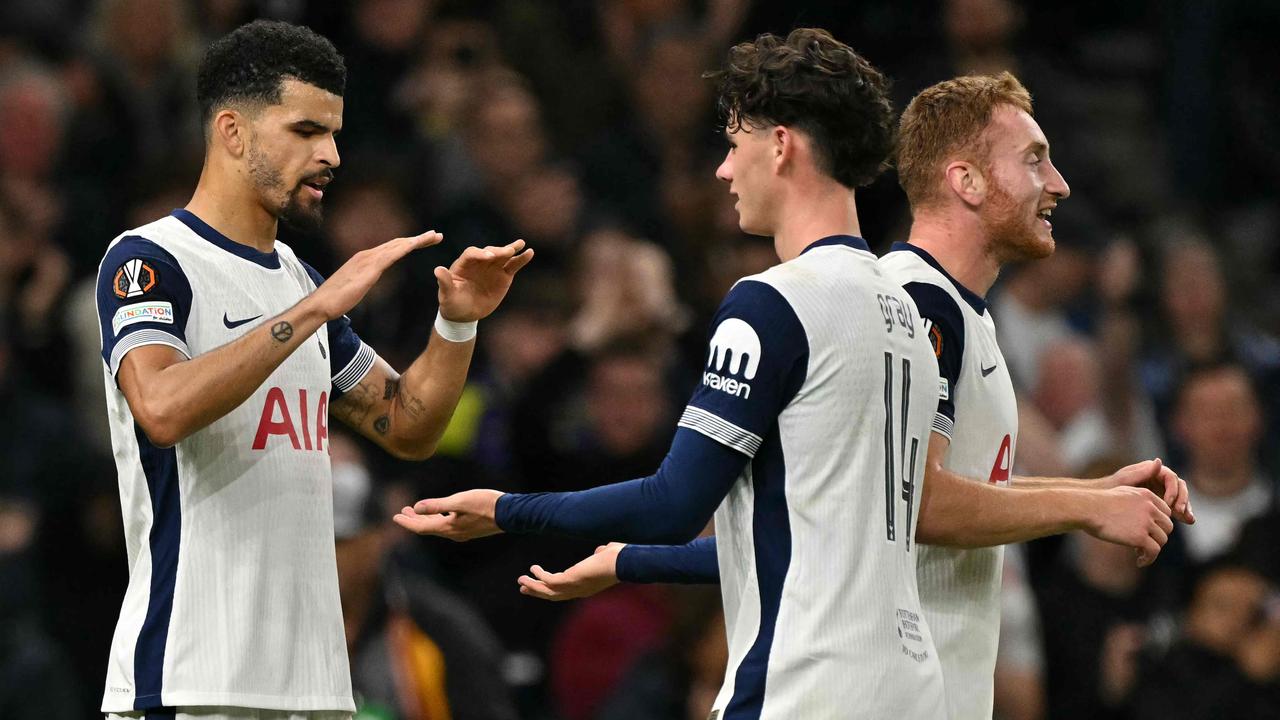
(414, 407)
(282, 331)
(390, 389)
(382, 424)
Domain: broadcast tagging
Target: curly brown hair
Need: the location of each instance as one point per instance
(819, 85)
(945, 121)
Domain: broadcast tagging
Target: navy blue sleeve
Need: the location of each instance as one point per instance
(143, 298)
(349, 358)
(756, 362)
(694, 563)
(941, 315)
(671, 506)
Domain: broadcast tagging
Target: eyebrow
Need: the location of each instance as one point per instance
(313, 126)
(1036, 146)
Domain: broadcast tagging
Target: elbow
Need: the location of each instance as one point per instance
(160, 422)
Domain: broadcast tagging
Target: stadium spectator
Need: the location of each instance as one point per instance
(1218, 419)
(417, 651)
(1227, 663)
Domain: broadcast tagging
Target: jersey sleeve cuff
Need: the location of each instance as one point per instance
(721, 430)
(145, 337)
(943, 425)
(354, 372)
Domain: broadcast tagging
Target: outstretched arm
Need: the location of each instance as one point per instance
(172, 395)
(670, 506)
(407, 414)
(1163, 481)
(691, 564)
(959, 512)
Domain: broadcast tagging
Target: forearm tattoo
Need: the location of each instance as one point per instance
(390, 389)
(282, 331)
(382, 424)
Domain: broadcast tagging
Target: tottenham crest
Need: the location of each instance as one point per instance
(135, 277)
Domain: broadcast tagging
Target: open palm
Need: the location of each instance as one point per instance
(478, 280)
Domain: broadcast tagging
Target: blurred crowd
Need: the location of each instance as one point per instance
(584, 127)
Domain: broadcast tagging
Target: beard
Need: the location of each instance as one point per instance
(293, 209)
(1012, 231)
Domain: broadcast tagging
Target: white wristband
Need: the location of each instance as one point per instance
(455, 331)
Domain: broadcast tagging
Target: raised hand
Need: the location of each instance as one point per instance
(1160, 479)
(1135, 517)
(478, 280)
(588, 577)
(348, 286)
(460, 517)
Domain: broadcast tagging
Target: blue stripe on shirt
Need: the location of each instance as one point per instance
(160, 466)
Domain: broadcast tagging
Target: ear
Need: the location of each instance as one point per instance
(230, 130)
(967, 182)
(783, 145)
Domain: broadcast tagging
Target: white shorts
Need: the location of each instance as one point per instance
(231, 713)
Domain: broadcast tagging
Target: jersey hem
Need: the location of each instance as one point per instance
(138, 339)
(354, 372)
(308, 703)
(721, 430)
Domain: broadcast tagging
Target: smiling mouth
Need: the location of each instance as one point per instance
(1043, 216)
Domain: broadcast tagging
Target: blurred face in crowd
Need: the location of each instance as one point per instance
(291, 151)
(750, 169)
(392, 25)
(1193, 291)
(669, 89)
(367, 215)
(30, 126)
(1220, 422)
(1023, 186)
(979, 25)
(1226, 607)
(506, 138)
(627, 402)
(144, 32)
(1068, 382)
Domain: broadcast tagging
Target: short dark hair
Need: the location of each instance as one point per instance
(815, 83)
(249, 63)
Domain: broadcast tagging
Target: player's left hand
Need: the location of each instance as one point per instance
(460, 517)
(1160, 479)
(478, 280)
(590, 576)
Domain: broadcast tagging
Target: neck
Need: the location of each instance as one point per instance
(827, 210)
(230, 206)
(960, 246)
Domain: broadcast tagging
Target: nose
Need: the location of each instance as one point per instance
(1057, 184)
(328, 153)
(725, 171)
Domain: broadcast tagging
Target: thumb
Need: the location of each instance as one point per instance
(445, 278)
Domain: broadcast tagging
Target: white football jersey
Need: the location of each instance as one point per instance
(233, 589)
(819, 371)
(978, 411)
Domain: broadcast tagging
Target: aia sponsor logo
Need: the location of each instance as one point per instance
(1003, 467)
(735, 350)
(279, 419)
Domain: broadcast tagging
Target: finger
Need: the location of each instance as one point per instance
(1161, 505)
(1169, 480)
(538, 572)
(1159, 534)
(1150, 550)
(529, 586)
(433, 506)
(1164, 522)
(423, 524)
(515, 264)
(516, 246)
(1183, 506)
(393, 250)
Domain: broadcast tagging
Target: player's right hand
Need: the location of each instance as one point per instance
(348, 286)
(590, 576)
(1135, 517)
(460, 517)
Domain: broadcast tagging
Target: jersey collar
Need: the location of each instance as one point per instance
(974, 299)
(270, 260)
(852, 241)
